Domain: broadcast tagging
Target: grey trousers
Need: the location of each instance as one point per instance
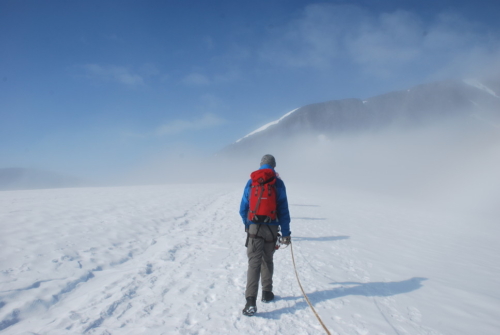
(260, 259)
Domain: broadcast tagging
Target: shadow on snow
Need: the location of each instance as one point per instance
(320, 239)
(376, 289)
(309, 219)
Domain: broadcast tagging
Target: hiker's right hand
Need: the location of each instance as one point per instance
(286, 240)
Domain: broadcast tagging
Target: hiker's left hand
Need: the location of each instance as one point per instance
(286, 240)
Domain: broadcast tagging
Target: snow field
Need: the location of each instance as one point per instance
(171, 260)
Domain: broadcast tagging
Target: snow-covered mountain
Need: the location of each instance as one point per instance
(421, 105)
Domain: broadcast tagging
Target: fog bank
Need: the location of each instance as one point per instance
(451, 164)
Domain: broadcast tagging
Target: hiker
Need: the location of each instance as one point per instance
(264, 209)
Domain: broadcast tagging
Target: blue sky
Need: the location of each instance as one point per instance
(95, 88)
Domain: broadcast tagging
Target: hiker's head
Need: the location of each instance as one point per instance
(269, 160)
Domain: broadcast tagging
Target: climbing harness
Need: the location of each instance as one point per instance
(304, 293)
(256, 236)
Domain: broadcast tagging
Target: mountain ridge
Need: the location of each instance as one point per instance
(420, 105)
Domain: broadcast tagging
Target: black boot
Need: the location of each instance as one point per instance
(251, 306)
(267, 296)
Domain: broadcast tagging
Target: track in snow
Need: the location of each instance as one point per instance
(171, 260)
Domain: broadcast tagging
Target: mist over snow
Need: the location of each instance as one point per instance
(22, 178)
(438, 143)
(446, 166)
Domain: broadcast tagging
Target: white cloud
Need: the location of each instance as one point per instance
(478, 62)
(149, 70)
(314, 39)
(227, 77)
(330, 36)
(179, 126)
(210, 102)
(196, 79)
(394, 37)
(113, 73)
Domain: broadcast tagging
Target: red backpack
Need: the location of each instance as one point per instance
(262, 196)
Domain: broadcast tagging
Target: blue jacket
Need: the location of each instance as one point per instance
(282, 205)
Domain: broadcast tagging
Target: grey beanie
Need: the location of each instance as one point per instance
(269, 160)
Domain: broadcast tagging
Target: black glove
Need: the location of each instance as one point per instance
(286, 240)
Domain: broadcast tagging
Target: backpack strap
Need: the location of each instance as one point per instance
(258, 201)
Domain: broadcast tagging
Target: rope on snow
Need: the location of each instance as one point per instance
(304, 293)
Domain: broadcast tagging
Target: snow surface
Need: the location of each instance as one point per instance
(475, 83)
(264, 127)
(170, 260)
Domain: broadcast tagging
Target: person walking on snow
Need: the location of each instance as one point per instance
(264, 208)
